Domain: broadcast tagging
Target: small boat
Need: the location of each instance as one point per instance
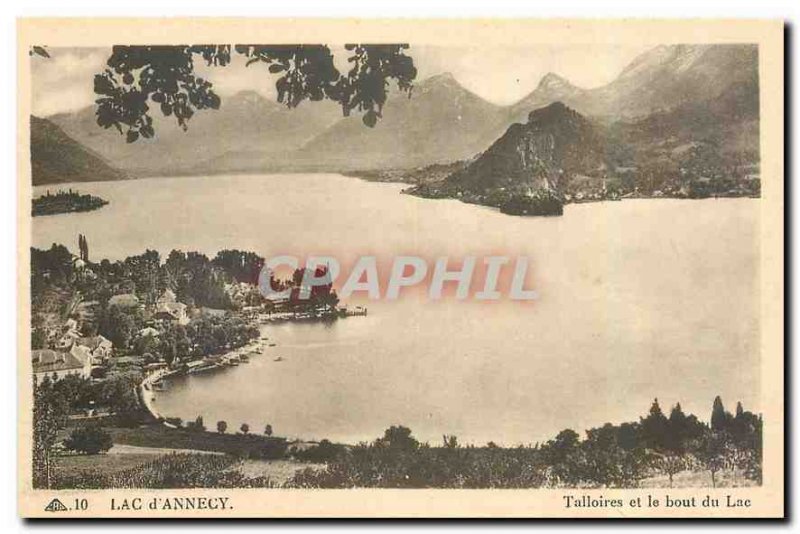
(278, 359)
(272, 344)
(244, 358)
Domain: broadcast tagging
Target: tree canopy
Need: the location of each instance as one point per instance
(138, 77)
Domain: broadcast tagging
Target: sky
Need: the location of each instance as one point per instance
(503, 76)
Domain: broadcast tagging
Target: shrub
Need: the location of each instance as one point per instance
(324, 452)
(89, 440)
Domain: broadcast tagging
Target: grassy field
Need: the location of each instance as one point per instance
(175, 470)
(101, 463)
(160, 469)
(243, 446)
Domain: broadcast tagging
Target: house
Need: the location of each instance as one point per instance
(99, 347)
(67, 339)
(69, 334)
(57, 365)
(243, 294)
(168, 308)
(83, 355)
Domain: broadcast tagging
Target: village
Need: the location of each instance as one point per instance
(141, 337)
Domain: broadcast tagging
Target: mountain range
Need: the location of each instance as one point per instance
(57, 158)
(660, 79)
(675, 91)
(246, 123)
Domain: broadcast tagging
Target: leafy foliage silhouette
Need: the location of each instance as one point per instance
(138, 77)
(38, 51)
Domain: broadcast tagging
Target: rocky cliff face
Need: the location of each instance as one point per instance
(556, 143)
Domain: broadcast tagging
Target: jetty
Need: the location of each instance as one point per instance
(311, 315)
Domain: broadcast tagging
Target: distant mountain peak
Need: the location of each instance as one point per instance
(444, 79)
(677, 56)
(552, 81)
(249, 98)
(551, 88)
(248, 94)
(445, 88)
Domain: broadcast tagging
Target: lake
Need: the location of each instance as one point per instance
(637, 299)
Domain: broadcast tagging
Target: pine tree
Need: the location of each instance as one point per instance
(676, 415)
(678, 425)
(83, 248)
(719, 418)
(655, 428)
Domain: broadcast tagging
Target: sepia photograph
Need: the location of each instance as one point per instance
(405, 262)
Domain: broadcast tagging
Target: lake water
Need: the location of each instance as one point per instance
(638, 299)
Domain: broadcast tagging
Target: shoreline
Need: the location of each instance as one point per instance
(146, 392)
(234, 357)
(146, 395)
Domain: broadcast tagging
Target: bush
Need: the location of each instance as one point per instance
(324, 452)
(89, 440)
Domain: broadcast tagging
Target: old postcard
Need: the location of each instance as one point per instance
(376, 268)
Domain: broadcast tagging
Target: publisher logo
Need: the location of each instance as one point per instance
(55, 506)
